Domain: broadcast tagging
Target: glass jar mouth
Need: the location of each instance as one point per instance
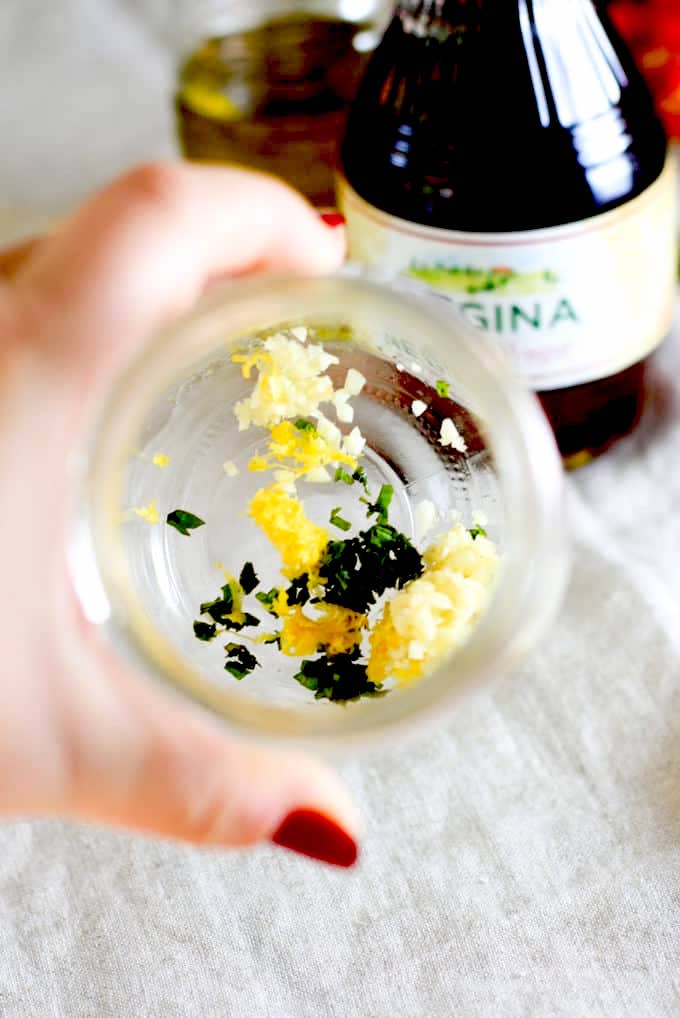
(534, 560)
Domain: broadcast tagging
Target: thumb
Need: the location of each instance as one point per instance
(142, 251)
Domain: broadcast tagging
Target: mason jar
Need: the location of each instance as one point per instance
(269, 84)
(140, 582)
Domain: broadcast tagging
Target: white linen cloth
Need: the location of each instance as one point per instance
(521, 860)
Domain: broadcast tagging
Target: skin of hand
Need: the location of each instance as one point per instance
(82, 736)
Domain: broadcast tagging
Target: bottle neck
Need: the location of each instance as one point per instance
(576, 72)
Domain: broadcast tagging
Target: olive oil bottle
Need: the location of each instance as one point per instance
(272, 87)
(507, 152)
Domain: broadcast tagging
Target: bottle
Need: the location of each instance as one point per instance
(143, 591)
(507, 152)
(272, 87)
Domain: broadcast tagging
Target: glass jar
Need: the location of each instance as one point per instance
(167, 437)
(270, 84)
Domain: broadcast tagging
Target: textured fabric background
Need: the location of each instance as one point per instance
(521, 860)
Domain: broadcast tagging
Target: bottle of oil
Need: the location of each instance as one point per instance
(272, 87)
(507, 152)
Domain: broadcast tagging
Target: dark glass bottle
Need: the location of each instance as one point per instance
(273, 93)
(508, 152)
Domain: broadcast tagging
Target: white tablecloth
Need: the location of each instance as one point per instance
(522, 861)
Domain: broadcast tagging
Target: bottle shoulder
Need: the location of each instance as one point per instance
(497, 130)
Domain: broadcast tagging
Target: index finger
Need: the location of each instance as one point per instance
(143, 250)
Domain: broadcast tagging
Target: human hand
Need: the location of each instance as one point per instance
(81, 735)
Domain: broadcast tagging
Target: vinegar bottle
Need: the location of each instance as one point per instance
(507, 152)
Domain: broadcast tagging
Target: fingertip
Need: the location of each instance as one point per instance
(322, 248)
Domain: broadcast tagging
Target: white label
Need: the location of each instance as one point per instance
(570, 304)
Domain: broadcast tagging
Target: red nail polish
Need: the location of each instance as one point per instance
(332, 219)
(317, 836)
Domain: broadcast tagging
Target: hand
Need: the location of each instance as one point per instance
(81, 736)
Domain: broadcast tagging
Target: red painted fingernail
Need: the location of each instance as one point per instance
(332, 219)
(317, 836)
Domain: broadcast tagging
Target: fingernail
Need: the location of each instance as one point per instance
(332, 219)
(317, 836)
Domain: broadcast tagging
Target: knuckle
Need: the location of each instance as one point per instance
(155, 183)
(270, 194)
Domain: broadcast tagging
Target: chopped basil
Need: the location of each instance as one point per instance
(476, 531)
(442, 388)
(267, 598)
(360, 476)
(298, 592)
(183, 521)
(355, 572)
(338, 677)
(240, 662)
(205, 631)
(248, 578)
(338, 521)
(380, 507)
(219, 609)
(303, 425)
(342, 475)
(236, 626)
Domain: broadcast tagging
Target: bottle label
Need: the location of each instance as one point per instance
(570, 304)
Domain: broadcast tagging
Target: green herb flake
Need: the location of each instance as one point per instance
(298, 592)
(303, 425)
(476, 532)
(443, 388)
(360, 476)
(240, 662)
(183, 521)
(342, 475)
(248, 578)
(355, 572)
(236, 625)
(338, 677)
(338, 520)
(267, 598)
(219, 609)
(205, 631)
(380, 507)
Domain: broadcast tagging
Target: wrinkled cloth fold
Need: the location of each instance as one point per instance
(521, 858)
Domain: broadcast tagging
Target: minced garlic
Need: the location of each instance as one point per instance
(450, 435)
(291, 381)
(435, 613)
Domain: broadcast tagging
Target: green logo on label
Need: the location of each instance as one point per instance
(496, 314)
(501, 280)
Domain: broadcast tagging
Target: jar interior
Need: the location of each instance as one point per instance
(170, 428)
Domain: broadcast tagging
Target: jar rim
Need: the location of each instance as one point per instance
(534, 565)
